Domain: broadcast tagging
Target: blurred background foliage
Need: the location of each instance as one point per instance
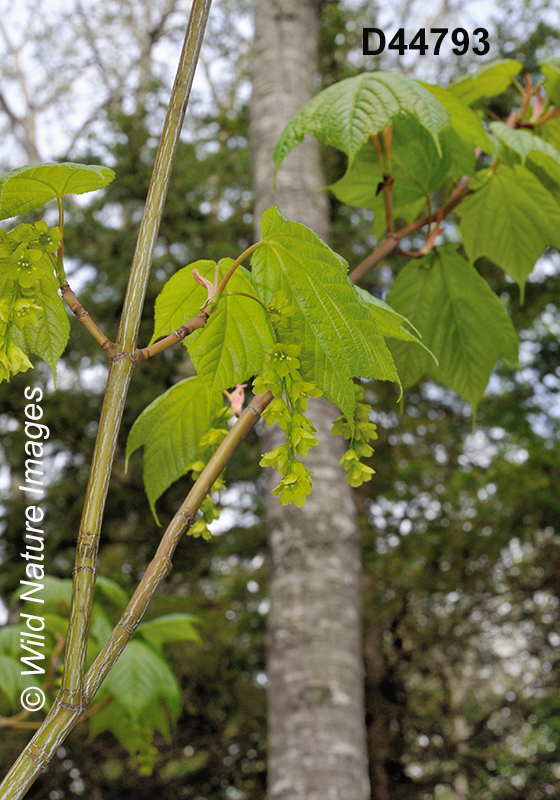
(460, 526)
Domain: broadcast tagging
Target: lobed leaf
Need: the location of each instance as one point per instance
(170, 430)
(139, 678)
(234, 344)
(180, 299)
(489, 81)
(237, 337)
(510, 220)
(32, 186)
(347, 113)
(461, 320)
(416, 166)
(337, 334)
(537, 155)
(169, 628)
(462, 135)
(392, 324)
(551, 71)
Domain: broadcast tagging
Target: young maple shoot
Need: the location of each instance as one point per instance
(295, 322)
(32, 316)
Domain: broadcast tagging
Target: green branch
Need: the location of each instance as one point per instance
(69, 704)
(61, 719)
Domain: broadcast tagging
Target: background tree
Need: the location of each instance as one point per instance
(317, 743)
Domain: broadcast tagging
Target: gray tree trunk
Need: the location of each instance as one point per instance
(317, 737)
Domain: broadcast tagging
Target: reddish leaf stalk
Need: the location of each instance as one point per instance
(83, 316)
(177, 336)
(391, 242)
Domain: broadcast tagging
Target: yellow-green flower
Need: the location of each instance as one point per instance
(18, 360)
(4, 366)
(49, 238)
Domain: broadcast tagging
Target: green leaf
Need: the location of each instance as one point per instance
(551, 71)
(135, 734)
(100, 630)
(169, 628)
(111, 590)
(10, 673)
(170, 429)
(49, 338)
(139, 678)
(462, 119)
(392, 324)
(9, 640)
(12, 682)
(234, 343)
(237, 337)
(346, 114)
(337, 334)
(180, 299)
(510, 220)
(462, 135)
(461, 320)
(489, 81)
(537, 155)
(550, 132)
(30, 187)
(416, 167)
(56, 593)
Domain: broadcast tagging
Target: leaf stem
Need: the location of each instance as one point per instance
(60, 274)
(246, 294)
(231, 270)
(384, 158)
(83, 316)
(388, 201)
(177, 336)
(391, 243)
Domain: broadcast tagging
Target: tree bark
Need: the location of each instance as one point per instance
(317, 738)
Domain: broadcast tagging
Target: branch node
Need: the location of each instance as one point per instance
(37, 755)
(128, 622)
(186, 514)
(167, 561)
(93, 570)
(67, 699)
